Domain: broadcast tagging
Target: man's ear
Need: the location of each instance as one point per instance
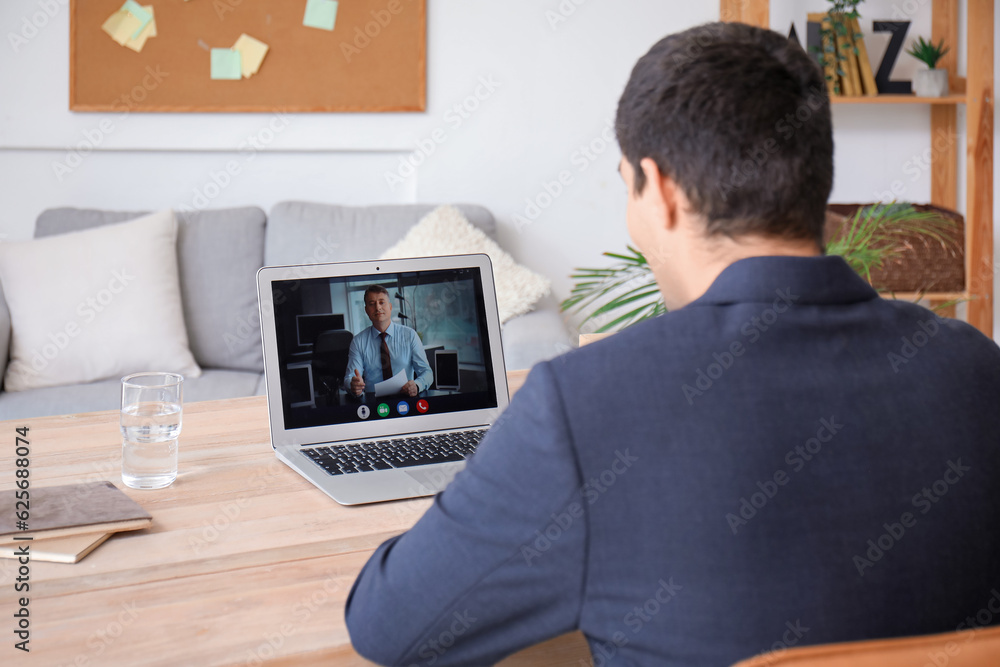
(660, 193)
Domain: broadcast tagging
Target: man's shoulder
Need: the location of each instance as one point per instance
(403, 331)
(681, 331)
(672, 340)
(686, 326)
(919, 326)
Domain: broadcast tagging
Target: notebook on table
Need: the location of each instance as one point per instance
(379, 442)
(65, 523)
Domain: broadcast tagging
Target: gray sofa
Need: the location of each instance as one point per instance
(219, 252)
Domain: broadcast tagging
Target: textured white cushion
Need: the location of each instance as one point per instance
(445, 231)
(95, 304)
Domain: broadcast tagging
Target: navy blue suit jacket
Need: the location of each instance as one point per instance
(788, 460)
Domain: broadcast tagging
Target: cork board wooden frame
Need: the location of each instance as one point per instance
(374, 59)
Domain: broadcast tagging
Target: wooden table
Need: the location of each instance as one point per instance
(246, 563)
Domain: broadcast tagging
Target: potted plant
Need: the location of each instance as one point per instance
(613, 298)
(930, 82)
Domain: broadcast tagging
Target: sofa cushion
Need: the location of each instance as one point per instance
(445, 231)
(311, 233)
(74, 301)
(218, 254)
(107, 395)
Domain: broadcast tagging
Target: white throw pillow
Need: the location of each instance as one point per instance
(445, 231)
(95, 304)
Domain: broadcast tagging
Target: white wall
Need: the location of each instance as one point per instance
(554, 89)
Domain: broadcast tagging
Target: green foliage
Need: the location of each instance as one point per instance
(927, 52)
(841, 11)
(626, 292)
(875, 234)
(847, 7)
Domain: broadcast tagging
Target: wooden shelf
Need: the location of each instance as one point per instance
(939, 297)
(899, 99)
(975, 91)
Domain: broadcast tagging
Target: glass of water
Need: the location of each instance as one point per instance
(150, 425)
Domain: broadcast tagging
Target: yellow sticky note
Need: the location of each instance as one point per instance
(121, 26)
(147, 32)
(138, 11)
(252, 52)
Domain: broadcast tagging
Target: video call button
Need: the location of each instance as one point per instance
(383, 409)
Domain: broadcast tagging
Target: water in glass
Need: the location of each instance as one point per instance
(149, 444)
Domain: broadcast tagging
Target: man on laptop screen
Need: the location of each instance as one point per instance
(784, 458)
(353, 368)
(385, 346)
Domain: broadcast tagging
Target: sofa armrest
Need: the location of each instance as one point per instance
(535, 336)
(4, 335)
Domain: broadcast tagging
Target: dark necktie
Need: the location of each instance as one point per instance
(386, 363)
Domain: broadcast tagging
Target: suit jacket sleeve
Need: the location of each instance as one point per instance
(497, 563)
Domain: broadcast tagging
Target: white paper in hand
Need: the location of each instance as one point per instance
(391, 386)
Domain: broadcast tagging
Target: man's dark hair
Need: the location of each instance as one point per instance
(377, 289)
(739, 118)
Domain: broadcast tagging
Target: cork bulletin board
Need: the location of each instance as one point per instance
(373, 60)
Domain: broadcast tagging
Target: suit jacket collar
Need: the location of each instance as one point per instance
(802, 280)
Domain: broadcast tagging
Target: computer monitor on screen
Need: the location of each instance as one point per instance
(308, 327)
(446, 369)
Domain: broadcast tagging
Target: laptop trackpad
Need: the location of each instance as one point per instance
(434, 478)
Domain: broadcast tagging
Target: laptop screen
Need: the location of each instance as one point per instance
(335, 367)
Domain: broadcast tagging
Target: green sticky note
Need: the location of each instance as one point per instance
(226, 64)
(137, 10)
(320, 14)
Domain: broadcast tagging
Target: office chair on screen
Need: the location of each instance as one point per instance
(329, 360)
(967, 648)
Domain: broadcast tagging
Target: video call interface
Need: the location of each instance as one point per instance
(318, 320)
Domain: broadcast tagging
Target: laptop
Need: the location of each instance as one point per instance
(382, 444)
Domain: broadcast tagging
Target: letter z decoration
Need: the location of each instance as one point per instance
(882, 82)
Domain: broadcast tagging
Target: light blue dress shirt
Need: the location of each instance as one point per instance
(406, 352)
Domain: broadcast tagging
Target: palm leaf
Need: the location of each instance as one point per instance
(626, 292)
(626, 286)
(629, 318)
(620, 301)
(590, 295)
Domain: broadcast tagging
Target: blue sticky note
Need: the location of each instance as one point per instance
(226, 64)
(136, 10)
(320, 14)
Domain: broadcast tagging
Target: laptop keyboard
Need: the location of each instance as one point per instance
(396, 453)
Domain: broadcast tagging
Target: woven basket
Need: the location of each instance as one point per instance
(924, 265)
